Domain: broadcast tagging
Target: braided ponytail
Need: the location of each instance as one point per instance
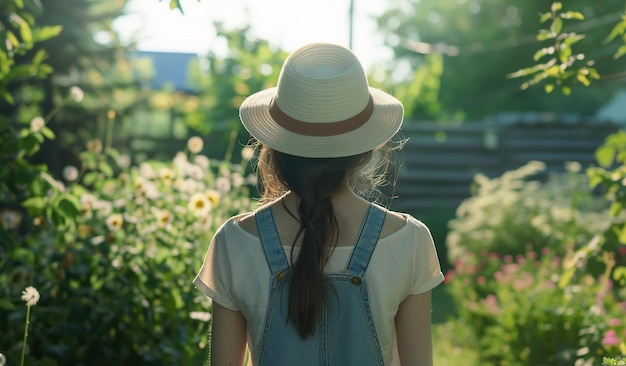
(314, 181)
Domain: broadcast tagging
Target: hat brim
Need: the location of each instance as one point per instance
(384, 123)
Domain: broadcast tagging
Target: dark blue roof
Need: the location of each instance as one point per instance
(169, 68)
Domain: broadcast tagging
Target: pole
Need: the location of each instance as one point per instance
(351, 24)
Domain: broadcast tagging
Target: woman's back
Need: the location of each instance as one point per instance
(349, 210)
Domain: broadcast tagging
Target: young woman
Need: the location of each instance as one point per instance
(318, 275)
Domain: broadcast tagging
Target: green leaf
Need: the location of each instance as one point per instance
(105, 168)
(573, 15)
(620, 52)
(30, 144)
(542, 52)
(616, 208)
(605, 155)
(544, 17)
(47, 132)
(566, 90)
(557, 25)
(39, 57)
(25, 31)
(556, 6)
(7, 305)
(619, 28)
(583, 79)
(47, 32)
(34, 204)
(549, 88)
(69, 206)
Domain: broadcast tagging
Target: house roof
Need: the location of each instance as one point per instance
(169, 68)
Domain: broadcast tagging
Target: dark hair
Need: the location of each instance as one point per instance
(314, 181)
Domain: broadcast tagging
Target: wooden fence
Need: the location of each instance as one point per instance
(441, 161)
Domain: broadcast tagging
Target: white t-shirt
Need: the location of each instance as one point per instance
(235, 274)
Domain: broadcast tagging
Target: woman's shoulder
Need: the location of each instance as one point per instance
(397, 223)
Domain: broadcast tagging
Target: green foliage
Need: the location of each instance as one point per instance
(561, 69)
(532, 272)
(249, 65)
(115, 279)
(480, 42)
(505, 214)
(613, 361)
(618, 31)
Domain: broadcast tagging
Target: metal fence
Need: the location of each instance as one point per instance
(441, 161)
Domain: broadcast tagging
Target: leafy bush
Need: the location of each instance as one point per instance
(114, 269)
(521, 316)
(531, 278)
(507, 214)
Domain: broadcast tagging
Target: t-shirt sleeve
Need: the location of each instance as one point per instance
(426, 262)
(215, 276)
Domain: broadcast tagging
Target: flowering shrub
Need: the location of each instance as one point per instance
(521, 316)
(509, 213)
(539, 271)
(115, 280)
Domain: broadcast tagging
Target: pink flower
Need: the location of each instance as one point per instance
(448, 277)
(545, 251)
(610, 338)
(491, 304)
(614, 322)
(508, 258)
(480, 280)
(520, 259)
(622, 250)
(531, 255)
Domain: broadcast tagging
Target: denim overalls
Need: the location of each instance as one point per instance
(345, 333)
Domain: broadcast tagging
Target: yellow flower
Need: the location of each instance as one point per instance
(195, 144)
(166, 173)
(163, 217)
(30, 295)
(199, 204)
(115, 222)
(214, 197)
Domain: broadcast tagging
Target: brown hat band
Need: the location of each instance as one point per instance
(321, 129)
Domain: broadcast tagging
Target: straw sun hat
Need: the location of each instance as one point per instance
(322, 107)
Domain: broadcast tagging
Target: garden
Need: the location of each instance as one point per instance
(101, 236)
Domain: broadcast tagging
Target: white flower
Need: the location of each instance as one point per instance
(77, 94)
(238, 180)
(70, 173)
(247, 153)
(146, 171)
(115, 222)
(10, 219)
(202, 161)
(195, 144)
(166, 173)
(195, 172)
(95, 146)
(251, 179)
(163, 217)
(214, 197)
(222, 184)
(200, 315)
(30, 295)
(37, 124)
(199, 204)
(123, 161)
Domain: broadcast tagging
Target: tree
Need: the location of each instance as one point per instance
(484, 41)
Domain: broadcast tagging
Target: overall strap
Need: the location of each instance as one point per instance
(271, 242)
(368, 237)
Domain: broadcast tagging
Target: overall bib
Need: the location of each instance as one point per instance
(345, 333)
